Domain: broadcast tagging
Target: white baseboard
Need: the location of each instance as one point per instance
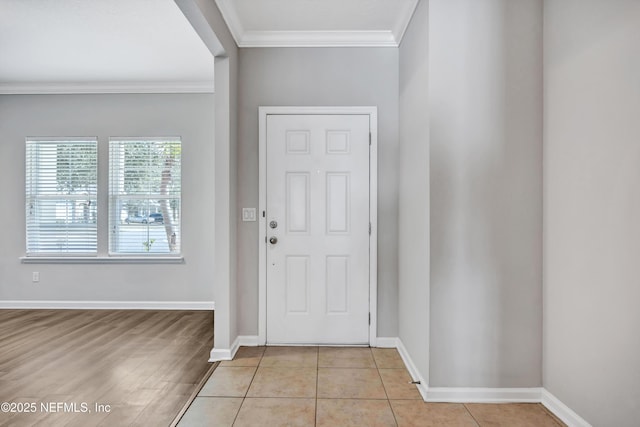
(248, 341)
(387, 342)
(219, 354)
(506, 395)
(562, 411)
(108, 305)
(423, 387)
(484, 395)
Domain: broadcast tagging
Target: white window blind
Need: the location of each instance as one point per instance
(144, 196)
(61, 188)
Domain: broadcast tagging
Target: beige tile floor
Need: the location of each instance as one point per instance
(337, 387)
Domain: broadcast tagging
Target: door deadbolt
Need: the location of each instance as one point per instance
(273, 224)
(273, 240)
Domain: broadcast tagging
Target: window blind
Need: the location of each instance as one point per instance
(144, 196)
(61, 202)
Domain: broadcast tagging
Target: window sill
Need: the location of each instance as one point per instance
(101, 260)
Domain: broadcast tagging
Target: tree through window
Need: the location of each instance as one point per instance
(144, 195)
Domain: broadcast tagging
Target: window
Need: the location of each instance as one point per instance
(144, 196)
(61, 189)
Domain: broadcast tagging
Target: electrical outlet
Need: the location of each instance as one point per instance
(248, 214)
(35, 277)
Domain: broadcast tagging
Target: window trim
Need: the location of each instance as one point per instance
(139, 255)
(102, 187)
(101, 260)
(59, 139)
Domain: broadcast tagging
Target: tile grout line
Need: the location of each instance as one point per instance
(383, 386)
(315, 420)
(247, 392)
(474, 418)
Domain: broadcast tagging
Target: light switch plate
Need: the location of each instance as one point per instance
(248, 214)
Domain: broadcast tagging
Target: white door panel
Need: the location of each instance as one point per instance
(318, 195)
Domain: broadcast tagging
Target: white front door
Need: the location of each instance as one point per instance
(317, 216)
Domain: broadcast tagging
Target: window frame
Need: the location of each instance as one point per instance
(32, 161)
(103, 254)
(114, 225)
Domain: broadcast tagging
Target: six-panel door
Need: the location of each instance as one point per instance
(318, 229)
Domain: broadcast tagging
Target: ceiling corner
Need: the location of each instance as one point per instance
(404, 21)
(230, 16)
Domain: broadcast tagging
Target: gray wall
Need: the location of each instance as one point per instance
(188, 116)
(485, 102)
(413, 168)
(319, 76)
(592, 208)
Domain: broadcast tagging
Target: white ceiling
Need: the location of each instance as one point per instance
(78, 46)
(111, 45)
(287, 23)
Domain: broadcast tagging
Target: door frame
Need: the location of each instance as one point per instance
(263, 112)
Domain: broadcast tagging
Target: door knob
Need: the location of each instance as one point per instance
(273, 240)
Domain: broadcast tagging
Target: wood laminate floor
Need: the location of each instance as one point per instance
(100, 367)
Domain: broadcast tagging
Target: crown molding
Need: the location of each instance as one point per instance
(46, 88)
(404, 21)
(318, 39)
(230, 15)
(245, 38)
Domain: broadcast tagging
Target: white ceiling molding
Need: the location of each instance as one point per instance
(379, 37)
(104, 88)
(318, 39)
(403, 22)
(230, 14)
